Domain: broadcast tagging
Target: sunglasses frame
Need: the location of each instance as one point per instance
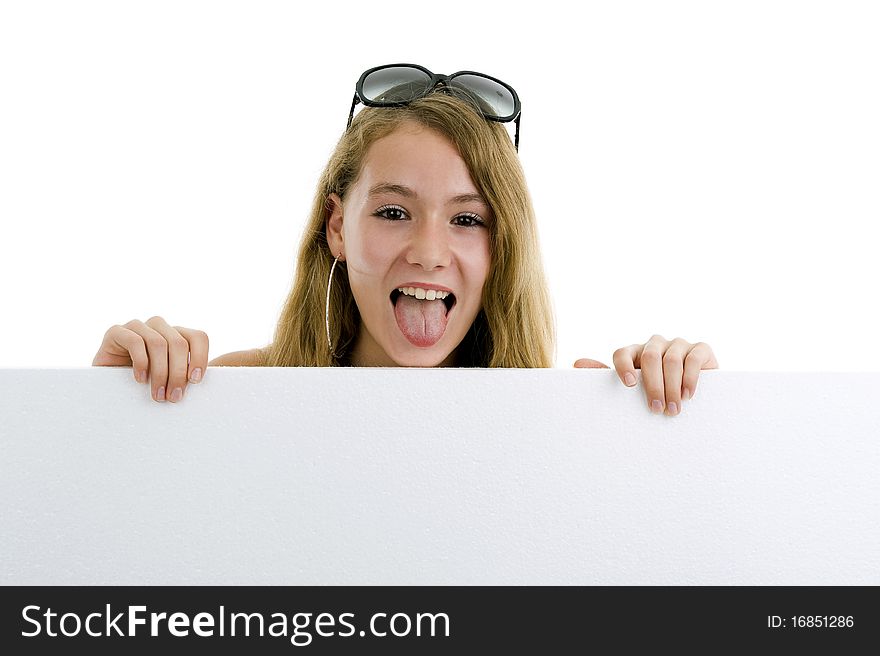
(436, 80)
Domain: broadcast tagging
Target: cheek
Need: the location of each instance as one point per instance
(372, 249)
(479, 261)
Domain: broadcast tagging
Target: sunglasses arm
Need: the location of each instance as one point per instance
(354, 102)
(516, 138)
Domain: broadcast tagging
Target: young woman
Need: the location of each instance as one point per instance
(421, 250)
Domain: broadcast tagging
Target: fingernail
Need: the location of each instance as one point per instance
(141, 376)
(629, 379)
(196, 375)
(687, 394)
(657, 405)
(176, 395)
(160, 395)
(673, 409)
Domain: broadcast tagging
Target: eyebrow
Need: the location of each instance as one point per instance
(406, 192)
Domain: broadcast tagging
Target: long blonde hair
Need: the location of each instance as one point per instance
(514, 328)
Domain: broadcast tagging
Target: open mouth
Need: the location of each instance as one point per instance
(422, 315)
(449, 301)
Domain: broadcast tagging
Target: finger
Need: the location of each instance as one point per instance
(198, 352)
(673, 370)
(650, 360)
(700, 357)
(711, 361)
(122, 347)
(157, 351)
(586, 363)
(178, 358)
(624, 362)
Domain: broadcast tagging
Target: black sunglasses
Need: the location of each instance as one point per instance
(396, 85)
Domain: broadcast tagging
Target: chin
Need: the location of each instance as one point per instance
(429, 357)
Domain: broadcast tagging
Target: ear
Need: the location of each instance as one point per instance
(333, 225)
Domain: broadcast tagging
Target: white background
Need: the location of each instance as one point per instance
(702, 170)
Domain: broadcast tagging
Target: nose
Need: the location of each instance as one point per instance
(429, 246)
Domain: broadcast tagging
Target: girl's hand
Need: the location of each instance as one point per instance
(669, 369)
(169, 356)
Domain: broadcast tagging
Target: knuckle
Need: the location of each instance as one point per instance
(650, 356)
(154, 319)
(690, 357)
(156, 343)
(178, 343)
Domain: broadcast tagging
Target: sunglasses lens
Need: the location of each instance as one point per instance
(395, 84)
(493, 98)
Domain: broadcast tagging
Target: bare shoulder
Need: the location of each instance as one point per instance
(587, 363)
(252, 358)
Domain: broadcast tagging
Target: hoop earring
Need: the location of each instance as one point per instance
(327, 308)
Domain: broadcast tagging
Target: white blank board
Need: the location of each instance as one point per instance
(438, 476)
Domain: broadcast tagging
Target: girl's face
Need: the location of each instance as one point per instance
(414, 220)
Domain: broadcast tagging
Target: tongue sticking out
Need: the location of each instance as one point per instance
(422, 322)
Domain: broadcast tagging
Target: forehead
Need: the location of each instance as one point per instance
(419, 158)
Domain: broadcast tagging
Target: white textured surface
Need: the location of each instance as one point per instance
(395, 476)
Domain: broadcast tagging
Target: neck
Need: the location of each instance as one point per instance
(368, 353)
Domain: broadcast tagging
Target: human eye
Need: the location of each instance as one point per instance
(470, 219)
(390, 212)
